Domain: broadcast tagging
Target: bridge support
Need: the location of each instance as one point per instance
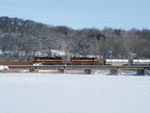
(140, 72)
(114, 71)
(33, 70)
(87, 71)
(61, 70)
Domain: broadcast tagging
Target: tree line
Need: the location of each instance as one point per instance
(23, 39)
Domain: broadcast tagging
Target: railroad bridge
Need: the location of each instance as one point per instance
(87, 68)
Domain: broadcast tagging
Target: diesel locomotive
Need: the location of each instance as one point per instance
(62, 61)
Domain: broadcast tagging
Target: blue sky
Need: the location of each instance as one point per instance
(125, 14)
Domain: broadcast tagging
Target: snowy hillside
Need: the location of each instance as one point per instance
(47, 93)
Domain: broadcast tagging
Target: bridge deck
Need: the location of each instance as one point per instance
(77, 67)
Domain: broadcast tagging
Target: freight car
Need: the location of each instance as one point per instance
(141, 62)
(126, 62)
(117, 62)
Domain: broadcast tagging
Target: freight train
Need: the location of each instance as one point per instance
(88, 61)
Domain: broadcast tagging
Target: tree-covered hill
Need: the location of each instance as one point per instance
(22, 39)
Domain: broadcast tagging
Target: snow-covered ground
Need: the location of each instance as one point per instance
(71, 93)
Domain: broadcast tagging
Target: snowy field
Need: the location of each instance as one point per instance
(47, 93)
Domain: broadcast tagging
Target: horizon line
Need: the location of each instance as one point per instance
(77, 28)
